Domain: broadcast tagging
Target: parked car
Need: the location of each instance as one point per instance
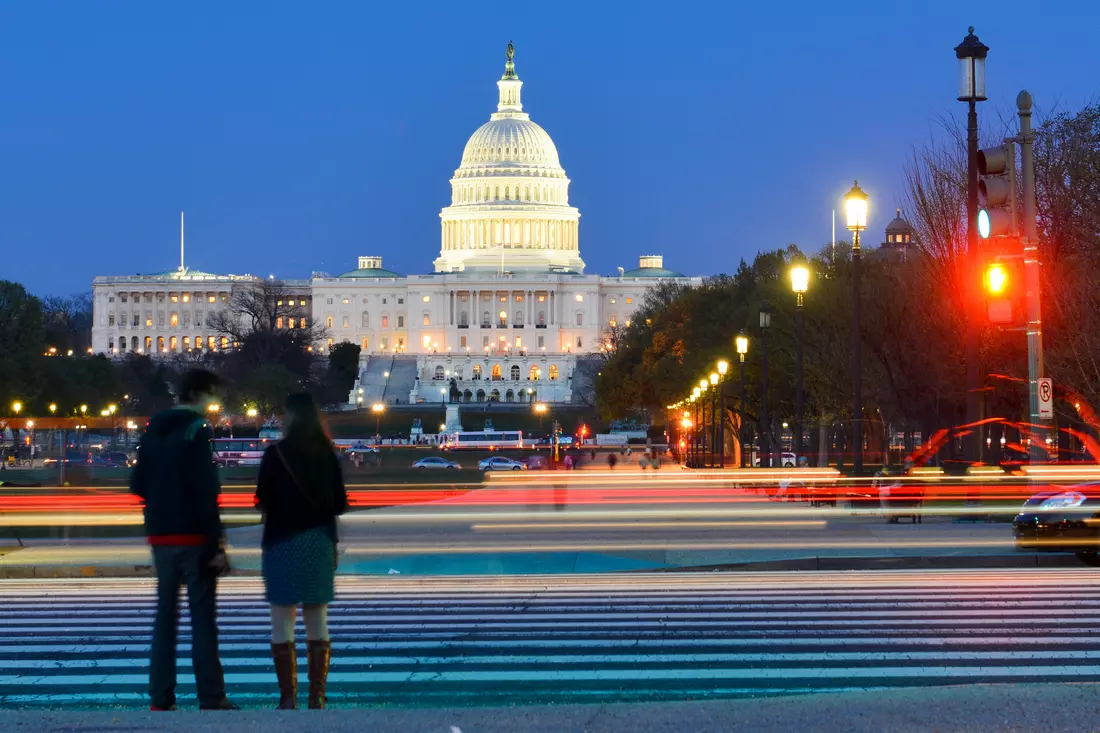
(1061, 521)
(500, 463)
(72, 457)
(111, 459)
(783, 460)
(436, 462)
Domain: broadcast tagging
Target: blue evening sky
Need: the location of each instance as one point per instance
(298, 135)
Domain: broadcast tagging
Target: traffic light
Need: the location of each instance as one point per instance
(1003, 283)
(997, 191)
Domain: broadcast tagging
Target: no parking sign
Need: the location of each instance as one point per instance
(1046, 399)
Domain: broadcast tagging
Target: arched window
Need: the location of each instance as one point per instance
(134, 344)
(535, 373)
(481, 395)
(503, 319)
(486, 319)
(496, 372)
(427, 318)
(458, 373)
(148, 344)
(463, 319)
(111, 344)
(580, 318)
(366, 319)
(366, 344)
(518, 320)
(514, 373)
(553, 372)
(122, 343)
(494, 396)
(477, 373)
(467, 396)
(438, 373)
(613, 322)
(509, 396)
(225, 342)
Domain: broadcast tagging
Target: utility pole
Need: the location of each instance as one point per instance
(1032, 282)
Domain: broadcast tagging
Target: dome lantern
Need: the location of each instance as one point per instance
(509, 86)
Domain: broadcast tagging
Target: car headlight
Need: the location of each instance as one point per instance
(1066, 500)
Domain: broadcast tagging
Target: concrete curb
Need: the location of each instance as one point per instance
(915, 562)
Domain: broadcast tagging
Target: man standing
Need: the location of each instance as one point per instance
(177, 478)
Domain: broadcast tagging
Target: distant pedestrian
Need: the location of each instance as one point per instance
(177, 479)
(611, 460)
(301, 492)
(569, 463)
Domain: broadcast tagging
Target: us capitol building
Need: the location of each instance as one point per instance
(507, 313)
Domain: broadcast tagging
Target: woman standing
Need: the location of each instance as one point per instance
(300, 490)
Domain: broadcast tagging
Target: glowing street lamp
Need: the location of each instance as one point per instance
(53, 408)
(17, 407)
(377, 408)
(252, 412)
(855, 204)
(800, 282)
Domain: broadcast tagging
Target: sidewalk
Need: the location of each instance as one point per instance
(1033, 708)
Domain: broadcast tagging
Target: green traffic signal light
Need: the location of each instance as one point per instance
(983, 224)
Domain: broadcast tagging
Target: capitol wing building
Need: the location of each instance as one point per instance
(506, 313)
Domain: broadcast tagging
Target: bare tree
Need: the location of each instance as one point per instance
(265, 307)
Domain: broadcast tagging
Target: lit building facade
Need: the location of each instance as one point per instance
(504, 315)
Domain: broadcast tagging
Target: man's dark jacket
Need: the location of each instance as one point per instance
(177, 478)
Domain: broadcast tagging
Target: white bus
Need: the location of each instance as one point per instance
(483, 440)
(239, 452)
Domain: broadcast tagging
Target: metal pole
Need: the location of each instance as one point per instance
(1031, 272)
(973, 288)
(741, 413)
(61, 458)
(722, 428)
(713, 424)
(857, 363)
(765, 437)
(799, 318)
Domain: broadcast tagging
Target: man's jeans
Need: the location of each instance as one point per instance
(178, 566)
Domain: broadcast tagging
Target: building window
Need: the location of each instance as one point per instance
(187, 342)
(439, 374)
(111, 299)
(612, 301)
(542, 298)
(401, 343)
(329, 301)
(137, 320)
(187, 297)
(579, 343)
(301, 322)
(174, 319)
(514, 373)
(366, 319)
(210, 342)
(629, 301)
(383, 301)
(535, 373)
(346, 322)
(385, 321)
(346, 301)
(401, 301)
(173, 344)
(477, 372)
(290, 322)
(198, 318)
(110, 319)
(427, 299)
(519, 342)
(401, 321)
(279, 322)
(160, 319)
(580, 297)
(580, 318)
(485, 342)
(160, 344)
(225, 297)
(542, 342)
(225, 342)
(427, 341)
(122, 297)
(462, 342)
(175, 298)
(496, 372)
(111, 344)
(542, 318)
(328, 321)
(613, 322)
(330, 344)
(366, 345)
(502, 319)
(385, 344)
(553, 372)
(148, 320)
(628, 323)
(427, 319)
(212, 299)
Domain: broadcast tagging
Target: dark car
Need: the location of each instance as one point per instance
(1061, 520)
(111, 460)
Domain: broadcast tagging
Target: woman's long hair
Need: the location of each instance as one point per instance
(305, 432)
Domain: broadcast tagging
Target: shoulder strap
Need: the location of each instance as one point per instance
(293, 476)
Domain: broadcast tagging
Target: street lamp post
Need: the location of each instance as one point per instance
(703, 437)
(971, 54)
(377, 408)
(855, 205)
(695, 392)
(713, 416)
(742, 342)
(540, 410)
(800, 281)
(765, 427)
(723, 367)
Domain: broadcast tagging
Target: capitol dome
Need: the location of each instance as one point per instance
(510, 196)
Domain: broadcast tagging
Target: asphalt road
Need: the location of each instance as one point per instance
(458, 642)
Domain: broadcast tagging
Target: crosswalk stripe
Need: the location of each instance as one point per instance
(652, 636)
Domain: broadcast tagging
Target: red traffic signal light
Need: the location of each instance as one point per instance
(1002, 281)
(996, 279)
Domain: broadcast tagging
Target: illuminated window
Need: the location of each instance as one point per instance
(211, 342)
(302, 322)
(366, 345)
(427, 299)
(225, 342)
(628, 323)
(612, 301)
(187, 342)
(330, 344)
(427, 320)
(345, 322)
(612, 323)
(496, 371)
(462, 342)
(186, 297)
(302, 302)
(535, 373)
(225, 297)
(385, 321)
(477, 372)
(542, 298)
(580, 297)
(175, 298)
(174, 319)
(148, 321)
(629, 301)
(346, 301)
(290, 322)
(279, 322)
(160, 344)
(212, 299)
(519, 298)
(519, 342)
(553, 372)
(427, 341)
(328, 322)
(279, 302)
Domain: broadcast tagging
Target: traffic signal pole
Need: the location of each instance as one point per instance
(1032, 282)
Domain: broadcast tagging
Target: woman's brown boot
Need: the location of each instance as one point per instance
(320, 653)
(286, 670)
